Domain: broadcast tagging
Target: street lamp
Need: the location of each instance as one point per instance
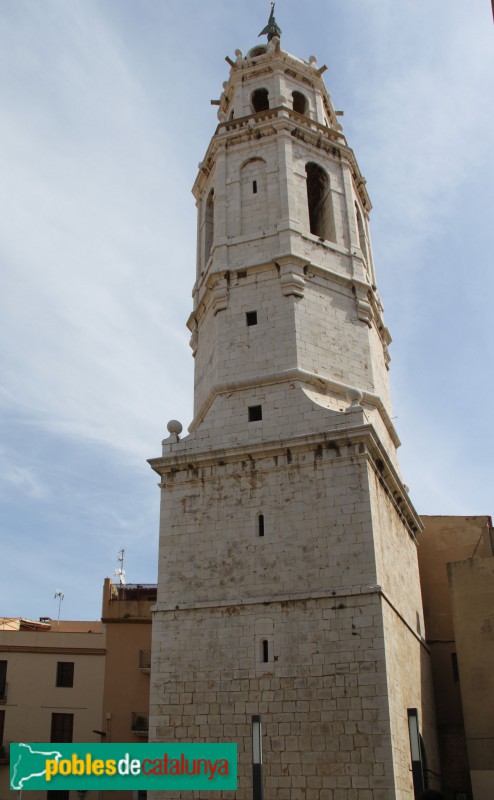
(416, 753)
(257, 787)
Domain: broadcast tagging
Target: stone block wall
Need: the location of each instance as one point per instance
(292, 624)
(322, 697)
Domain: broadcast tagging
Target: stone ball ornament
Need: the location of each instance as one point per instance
(354, 396)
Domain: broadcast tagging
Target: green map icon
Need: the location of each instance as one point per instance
(30, 763)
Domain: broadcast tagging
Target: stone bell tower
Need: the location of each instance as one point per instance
(288, 577)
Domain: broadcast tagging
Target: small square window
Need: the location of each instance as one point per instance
(255, 413)
(251, 318)
(65, 673)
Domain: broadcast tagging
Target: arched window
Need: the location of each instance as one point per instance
(321, 215)
(299, 102)
(260, 100)
(361, 232)
(260, 50)
(209, 226)
(264, 643)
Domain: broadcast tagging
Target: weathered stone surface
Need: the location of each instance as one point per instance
(288, 580)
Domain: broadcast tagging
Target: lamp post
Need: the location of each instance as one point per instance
(419, 782)
(257, 787)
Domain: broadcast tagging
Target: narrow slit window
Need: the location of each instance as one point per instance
(251, 318)
(254, 187)
(255, 413)
(361, 232)
(454, 665)
(265, 651)
(261, 524)
(209, 226)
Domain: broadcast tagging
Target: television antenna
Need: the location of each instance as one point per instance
(60, 596)
(120, 572)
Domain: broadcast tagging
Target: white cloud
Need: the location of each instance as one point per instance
(24, 479)
(104, 114)
(426, 119)
(91, 239)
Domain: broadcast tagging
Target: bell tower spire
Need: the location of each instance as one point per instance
(283, 212)
(288, 575)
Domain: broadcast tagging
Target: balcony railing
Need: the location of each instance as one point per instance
(140, 723)
(134, 591)
(145, 660)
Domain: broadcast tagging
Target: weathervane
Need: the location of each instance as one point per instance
(272, 29)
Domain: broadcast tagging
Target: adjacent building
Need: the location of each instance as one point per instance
(51, 685)
(126, 615)
(456, 558)
(77, 681)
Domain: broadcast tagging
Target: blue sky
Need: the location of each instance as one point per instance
(105, 115)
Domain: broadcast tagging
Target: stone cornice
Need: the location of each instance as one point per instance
(126, 620)
(278, 61)
(176, 460)
(270, 62)
(273, 121)
(317, 380)
(337, 438)
(318, 594)
(296, 597)
(211, 279)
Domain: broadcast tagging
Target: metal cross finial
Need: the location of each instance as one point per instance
(272, 28)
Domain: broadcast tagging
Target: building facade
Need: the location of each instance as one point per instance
(126, 614)
(72, 681)
(456, 558)
(51, 686)
(288, 573)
